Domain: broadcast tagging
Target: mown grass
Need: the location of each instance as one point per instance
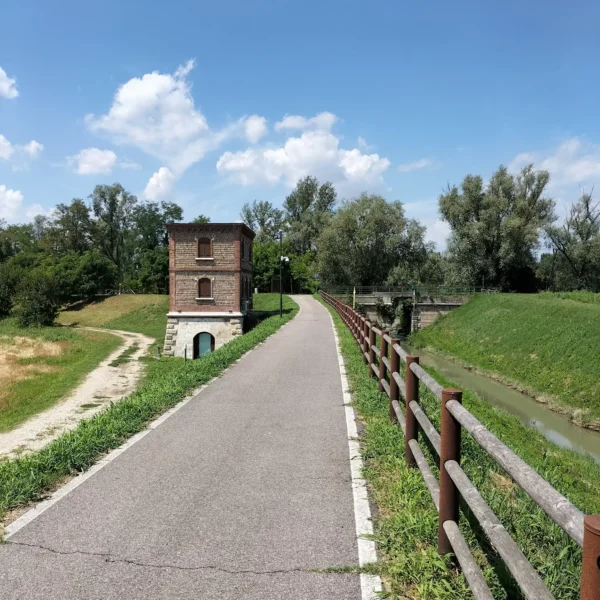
(406, 519)
(271, 302)
(167, 382)
(139, 313)
(47, 378)
(544, 344)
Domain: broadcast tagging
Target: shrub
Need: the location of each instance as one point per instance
(37, 300)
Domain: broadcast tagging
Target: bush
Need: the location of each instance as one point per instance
(10, 274)
(37, 300)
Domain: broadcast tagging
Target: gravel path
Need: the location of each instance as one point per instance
(103, 385)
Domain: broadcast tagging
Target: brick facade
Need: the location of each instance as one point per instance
(229, 269)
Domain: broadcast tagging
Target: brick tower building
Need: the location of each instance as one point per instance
(210, 283)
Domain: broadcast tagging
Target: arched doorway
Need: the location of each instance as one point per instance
(203, 344)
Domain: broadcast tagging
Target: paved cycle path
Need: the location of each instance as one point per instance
(245, 492)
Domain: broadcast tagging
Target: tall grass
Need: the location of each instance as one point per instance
(167, 382)
(545, 344)
(406, 519)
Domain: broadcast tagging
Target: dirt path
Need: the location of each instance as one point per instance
(105, 384)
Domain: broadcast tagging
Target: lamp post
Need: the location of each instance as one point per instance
(280, 273)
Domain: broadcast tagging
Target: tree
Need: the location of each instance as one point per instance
(495, 228)
(153, 275)
(263, 218)
(365, 240)
(307, 211)
(114, 211)
(150, 221)
(37, 300)
(70, 229)
(15, 239)
(201, 219)
(576, 244)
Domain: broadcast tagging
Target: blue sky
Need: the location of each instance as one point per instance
(215, 104)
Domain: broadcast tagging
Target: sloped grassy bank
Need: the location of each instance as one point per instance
(406, 519)
(546, 345)
(166, 383)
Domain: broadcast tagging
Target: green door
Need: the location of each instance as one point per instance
(206, 344)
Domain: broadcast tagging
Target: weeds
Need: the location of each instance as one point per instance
(125, 356)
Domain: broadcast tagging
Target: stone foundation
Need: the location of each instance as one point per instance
(181, 329)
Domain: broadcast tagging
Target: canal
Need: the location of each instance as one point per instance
(552, 425)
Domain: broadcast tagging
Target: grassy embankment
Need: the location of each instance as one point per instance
(38, 366)
(546, 345)
(140, 313)
(167, 382)
(406, 519)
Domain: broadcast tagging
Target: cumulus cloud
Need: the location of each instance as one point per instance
(314, 152)
(161, 185)
(574, 161)
(422, 163)
(157, 113)
(10, 202)
(6, 148)
(323, 121)
(33, 149)
(93, 161)
(8, 86)
(37, 209)
(255, 128)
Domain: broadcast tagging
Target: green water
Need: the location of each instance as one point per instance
(553, 426)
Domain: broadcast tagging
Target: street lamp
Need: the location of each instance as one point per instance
(282, 259)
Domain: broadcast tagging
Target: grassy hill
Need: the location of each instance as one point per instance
(548, 345)
(140, 313)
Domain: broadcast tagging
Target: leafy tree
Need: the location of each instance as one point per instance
(265, 262)
(150, 221)
(576, 244)
(37, 300)
(10, 275)
(495, 228)
(70, 229)
(201, 219)
(153, 275)
(15, 239)
(114, 209)
(263, 218)
(366, 240)
(307, 211)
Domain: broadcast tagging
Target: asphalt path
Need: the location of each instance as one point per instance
(245, 492)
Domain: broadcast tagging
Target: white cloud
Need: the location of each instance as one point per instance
(161, 185)
(8, 86)
(422, 163)
(33, 149)
(10, 202)
(37, 209)
(315, 153)
(6, 148)
(93, 161)
(362, 144)
(130, 165)
(157, 113)
(574, 161)
(322, 122)
(437, 232)
(255, 128)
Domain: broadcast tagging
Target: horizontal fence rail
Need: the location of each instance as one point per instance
(383, 362)
(367, 290)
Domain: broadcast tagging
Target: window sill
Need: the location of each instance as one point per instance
(204, 299)
(205, 258)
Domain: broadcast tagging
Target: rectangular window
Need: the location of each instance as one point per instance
(205, 248)
(204, 288)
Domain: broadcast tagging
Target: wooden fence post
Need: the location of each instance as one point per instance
(590, 566)
(412, 393)
(394, 367)
(450, 450)
(372, 342)
(365, 336)
(383, 352)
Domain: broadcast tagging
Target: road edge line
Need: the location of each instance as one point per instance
(371, 585)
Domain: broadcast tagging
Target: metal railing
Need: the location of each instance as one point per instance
(384, 365)
(367, 290)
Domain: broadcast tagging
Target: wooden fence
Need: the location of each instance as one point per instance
(384, 365)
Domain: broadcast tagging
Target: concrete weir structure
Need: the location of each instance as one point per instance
(210, 283)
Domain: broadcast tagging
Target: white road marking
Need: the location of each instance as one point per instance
(370, 585)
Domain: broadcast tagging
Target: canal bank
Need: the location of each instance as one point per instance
(552, 425)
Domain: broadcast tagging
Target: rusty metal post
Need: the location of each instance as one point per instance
(383, 352)
(450, 450)
(412, 393)
(394, 367)
(372, 342)
(590, 566)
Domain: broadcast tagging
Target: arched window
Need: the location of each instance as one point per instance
(204, 288)
(205, 248)
(203, 344)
